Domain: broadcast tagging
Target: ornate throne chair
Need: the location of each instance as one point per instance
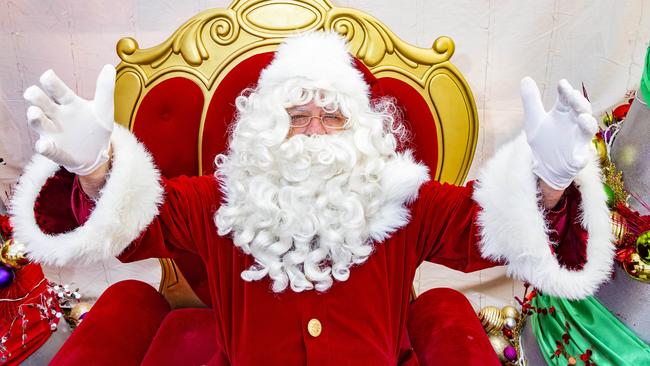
(178, 98)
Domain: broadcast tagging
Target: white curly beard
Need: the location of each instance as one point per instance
(304, 215)
(309, 208)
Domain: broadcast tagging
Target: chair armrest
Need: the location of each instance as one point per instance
(444, 330)
(118, 329)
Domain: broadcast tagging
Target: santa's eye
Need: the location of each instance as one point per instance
(299, 120)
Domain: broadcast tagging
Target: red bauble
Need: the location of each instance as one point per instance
(620, 112)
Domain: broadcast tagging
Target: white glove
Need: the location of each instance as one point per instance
(74, 132)
(561, 138)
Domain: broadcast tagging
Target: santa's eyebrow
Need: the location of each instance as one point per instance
(298, 109)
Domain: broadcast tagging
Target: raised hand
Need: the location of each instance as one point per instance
(74, 132)
(560, 138)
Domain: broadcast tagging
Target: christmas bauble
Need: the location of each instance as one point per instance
(492, 319)
(12, 254)
(510, 323)
(6, 276)
(601, 148)
(510, 353)
(510, 312)
(643, 246)
(619, 227)
(637, 268)
(499, 344)
(79, 311)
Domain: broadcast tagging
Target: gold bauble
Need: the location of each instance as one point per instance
(80, 309)
(492, 319)
(509, 311)
(607, 119)
(499, 343)
(643, 246)
(12, 254)
(637, 268)
(601, 148)
(619, 228)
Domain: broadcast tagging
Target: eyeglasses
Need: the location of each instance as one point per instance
(329, 121)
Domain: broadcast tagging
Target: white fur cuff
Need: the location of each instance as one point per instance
(128, 203)
(513, 226)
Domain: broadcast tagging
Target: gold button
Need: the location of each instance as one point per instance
(314, 327)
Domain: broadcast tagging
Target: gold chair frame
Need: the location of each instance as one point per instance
(207, 46)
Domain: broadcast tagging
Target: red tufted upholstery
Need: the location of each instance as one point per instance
(168, 121)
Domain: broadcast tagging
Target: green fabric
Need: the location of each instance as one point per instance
(591, 326)
(645, 79)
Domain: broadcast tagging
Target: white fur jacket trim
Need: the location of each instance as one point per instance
(513, 226)
(128, 203)
(400, 181)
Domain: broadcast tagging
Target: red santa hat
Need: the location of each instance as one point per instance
(321, 60)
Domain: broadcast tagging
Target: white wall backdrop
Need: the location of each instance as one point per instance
(601, 43)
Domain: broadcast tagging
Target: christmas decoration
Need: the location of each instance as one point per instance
(643, 246)
(503, 327)
(611, 196)
(500, 344)
(510, 323)
(6, 276)
(631, 231)
(628, 226)
(627, 294)
(510, 312)
(619, 113)
(29, 313)
(637, 268)
(30, 306)
(601, 148)
(492, 319)
(79, 311)
(12, 254)
(510, 353)
(619, 228)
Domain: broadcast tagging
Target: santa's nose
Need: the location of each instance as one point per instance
(315, 127)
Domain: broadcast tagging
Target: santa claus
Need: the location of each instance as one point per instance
(314, 223)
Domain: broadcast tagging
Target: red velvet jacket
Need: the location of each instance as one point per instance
(363, 319)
